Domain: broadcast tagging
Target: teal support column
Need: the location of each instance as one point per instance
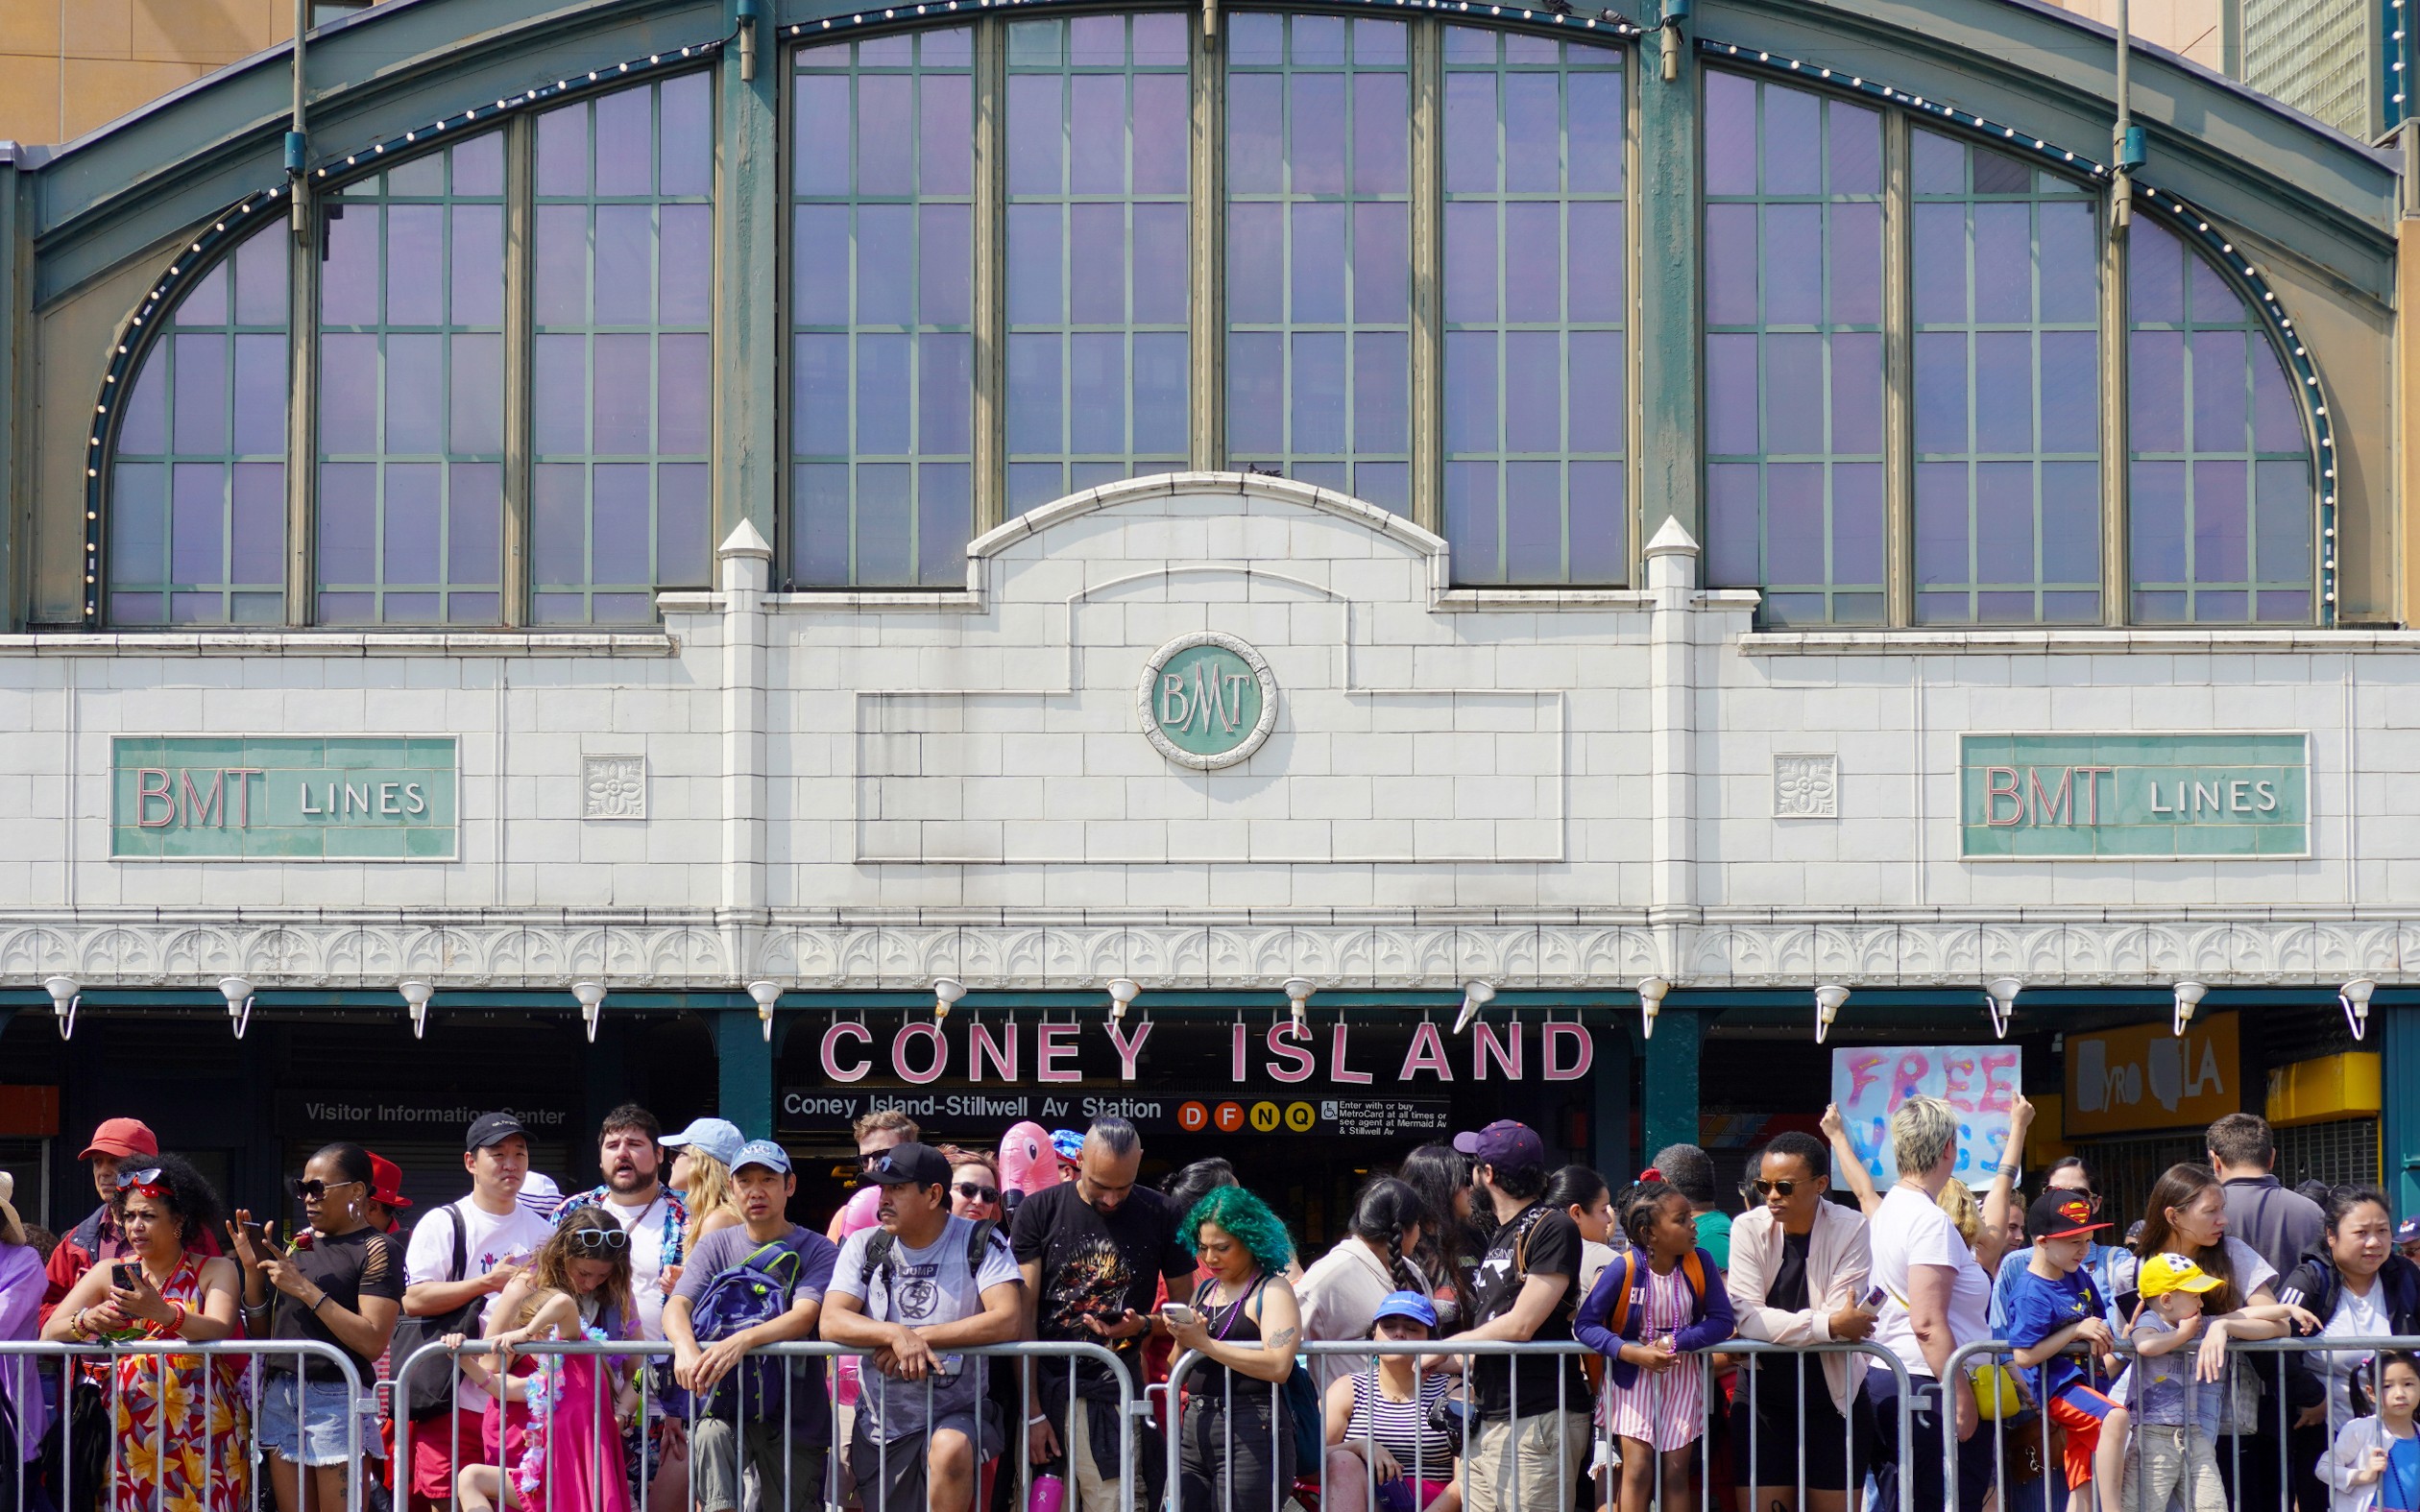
(743, 1071)
(1671, 1087)
(1666, 308)
(747, 393)
(1610, 1105)
(2398, 1029)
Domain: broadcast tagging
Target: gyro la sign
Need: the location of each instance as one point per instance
(922, 1052)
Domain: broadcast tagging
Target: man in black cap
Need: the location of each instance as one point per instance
(920, 1284)
(461, 1255)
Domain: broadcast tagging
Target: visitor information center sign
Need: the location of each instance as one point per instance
(2134, 797)
(283, 798)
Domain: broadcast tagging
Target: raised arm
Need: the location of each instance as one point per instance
(1847, 1164)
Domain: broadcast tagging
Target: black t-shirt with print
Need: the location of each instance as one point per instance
(1552, 1248)
(1096, 1264)
(347, 1267)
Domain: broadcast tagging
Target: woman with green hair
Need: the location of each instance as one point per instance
(1235, 1443)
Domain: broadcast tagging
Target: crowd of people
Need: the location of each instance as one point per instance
(1388, 1373)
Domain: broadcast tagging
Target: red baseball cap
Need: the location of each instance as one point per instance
(386, 1186)
(122, 1137)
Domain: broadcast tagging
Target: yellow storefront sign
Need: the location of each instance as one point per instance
(2333, 1086)
(2120, 1081)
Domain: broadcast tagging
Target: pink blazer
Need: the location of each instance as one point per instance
(1837, 1259)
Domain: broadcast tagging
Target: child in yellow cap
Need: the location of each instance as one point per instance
(2176, 1413)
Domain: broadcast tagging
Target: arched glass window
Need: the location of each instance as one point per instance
(197, 511)
(2220, 519)
(1794, 371)
(411, 393)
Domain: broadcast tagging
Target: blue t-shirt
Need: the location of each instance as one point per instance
(2398, 1488)
(2037, 1308)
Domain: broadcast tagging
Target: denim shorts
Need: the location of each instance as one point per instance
(322, 1437)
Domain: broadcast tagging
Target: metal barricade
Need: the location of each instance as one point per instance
(1212, 1468)
(806, 1423)
(137, 1450)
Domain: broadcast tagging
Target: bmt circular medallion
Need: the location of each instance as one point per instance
(1206, 699)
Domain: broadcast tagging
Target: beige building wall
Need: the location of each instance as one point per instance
(2188, 26)
(70, 66)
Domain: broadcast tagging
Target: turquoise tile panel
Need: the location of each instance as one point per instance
(2122, 795)
(285, 797)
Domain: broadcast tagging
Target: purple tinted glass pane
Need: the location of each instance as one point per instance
(945, 275)
(1730, 134)
(1793, 141)
(1733, 524)
(1942, 609)
(199, 399)
(822, 255)
(1793, 264)
(1532, 137)
(1470, 517)
(2222, 392)
(1730, 263)
(2003, 372)
(205, 302)
(136, 609)
(478, 165)
(2285, 607)
(2213, 300)
(1856, 264)
(1097, 41)
(2222, 607)
(475, 529)
(415, 395)
(1593, 271)
(2282, 513)
(620, 533)
(625, 251)
(256, 534)
(1256, 393)
(476, 398)
(1317, 40)
(1037, 133)
(1161, 133)
(558, 608)
(886, 133)
(1532, 521)
(1317, 408)
(2155, 389)
(1857, 393)
(563, 156)
(1469, 44)
(1031, 484)
(950, 47)
(685, 149)
(2155, 520)
(1997, 172)
(1377, 43)
(1942, 524)
(348, 272)
(2155, 274)
(2005, 521)
(1532, 392)
(945, 116)
(1941, 391)
(1470, 262)
(1470, 133)
(1161, 375)
(348, 522)
(143, 422)
(1941, 263)
(624, 387)
(1160, 40)
(626, 141)
(559, 395)
(1385, 483)
(823, 129)
(685, 393)
(2003, 262)
(2005, 607)
(560, 289)
(1042, 42)
(559, 524)
(1855, 140)
(348, 609)
(1319, 251)
(1535, 297)
(1592, 138)
(2277, 422)
(410, 523)
(1731, 394)
(886, 264)
(1035, 272)
(1382, 137)
(1256, 250)
(2159, 609)
(1381, 278)
(820, 396)
(1095, 370)
(945, 513)
(945, 389)
(416, 178)
(1857, 532)
(1598, 524)
(415, 264)
(2070, 391)
(138, 522)
(1160, 268)
(1382, 392)
(478, 270)
(1471, 404)
(2070, 522)
(407, 608)
(260, 395)
(260, 282)
(1794, 522)
(2069, 261)
(1937, 164)
(2221, 523)
(1256, 122)
(819, 538)
(1256, 37)
(883, 382)
(1316, 132)
(885, 521)
(1794, 394)
(1034, 394)
(685, 277)
(1097, 130)
(349, 394)
(1595, 401)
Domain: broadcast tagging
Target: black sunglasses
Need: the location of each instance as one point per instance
(597, 1241)
(968, 1189)
(1766, 1188)
(310, 1188)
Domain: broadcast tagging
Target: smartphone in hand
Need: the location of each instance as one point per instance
(122, 1275)
(1179, 1314)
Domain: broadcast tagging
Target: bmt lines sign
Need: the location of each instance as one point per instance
(2132, 797)
(283, 798)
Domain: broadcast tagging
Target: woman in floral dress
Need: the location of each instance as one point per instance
(183, 1424)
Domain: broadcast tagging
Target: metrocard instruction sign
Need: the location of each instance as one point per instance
(283, 798)
(2120, 797)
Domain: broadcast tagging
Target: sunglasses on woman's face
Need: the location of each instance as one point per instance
(1767, 1188)
(310, 1188)
(145, 1181)
(977, 1193)
(598, 1242)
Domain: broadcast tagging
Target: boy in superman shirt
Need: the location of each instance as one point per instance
(2052, 1308)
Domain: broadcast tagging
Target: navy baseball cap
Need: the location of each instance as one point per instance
(2407, 1230)
(1506, 1143)
(910, 1165)
(491, 1129)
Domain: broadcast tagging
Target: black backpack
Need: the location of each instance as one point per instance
(431, 1391)
(882, 1243)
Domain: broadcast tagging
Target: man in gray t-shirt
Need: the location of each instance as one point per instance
(923, 1283)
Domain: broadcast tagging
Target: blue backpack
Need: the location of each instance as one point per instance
(756, 1291)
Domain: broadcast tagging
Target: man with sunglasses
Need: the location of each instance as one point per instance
(98, 1240)
(877, 1133)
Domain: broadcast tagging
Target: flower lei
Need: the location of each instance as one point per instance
(542, 1393)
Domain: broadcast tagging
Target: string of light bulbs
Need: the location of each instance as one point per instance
(1550, 20)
